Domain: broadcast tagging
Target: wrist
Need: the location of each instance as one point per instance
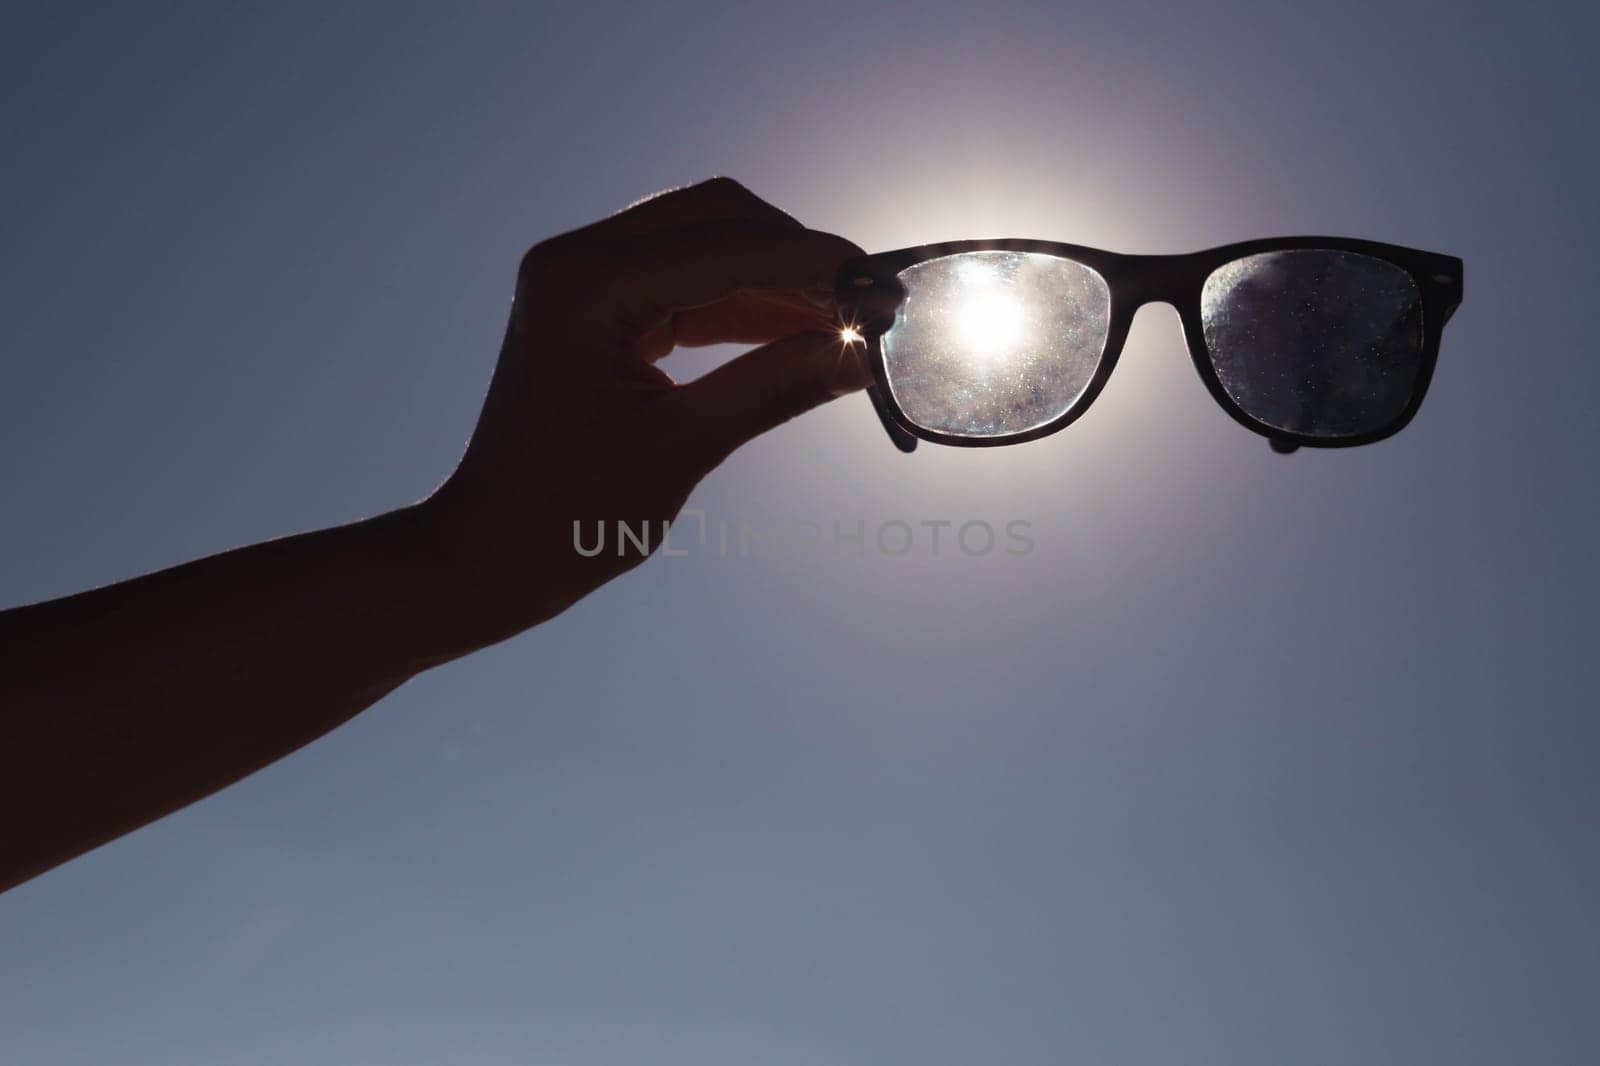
(485, 571)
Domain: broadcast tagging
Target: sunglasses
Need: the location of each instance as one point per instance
(1320, 341)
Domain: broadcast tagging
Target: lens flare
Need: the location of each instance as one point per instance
(851, 335)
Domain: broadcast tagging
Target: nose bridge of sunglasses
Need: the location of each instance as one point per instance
(1152, 279)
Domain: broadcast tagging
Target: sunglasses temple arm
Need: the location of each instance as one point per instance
(897, 433)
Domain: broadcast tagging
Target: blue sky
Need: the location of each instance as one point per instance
(1254, 759)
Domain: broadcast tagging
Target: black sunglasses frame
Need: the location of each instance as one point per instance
(868, 293)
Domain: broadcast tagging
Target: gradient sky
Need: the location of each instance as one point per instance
(1256, 759)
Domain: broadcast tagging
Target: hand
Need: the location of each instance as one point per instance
(580, 425)
(109, 699)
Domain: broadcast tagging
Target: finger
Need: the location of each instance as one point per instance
(744, 318)
(695, 267)
(764, 388)
(754, 318)
(714, 200)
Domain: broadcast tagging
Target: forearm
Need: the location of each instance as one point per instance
(127, 702)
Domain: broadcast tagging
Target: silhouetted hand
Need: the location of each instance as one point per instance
(122, 703)
(580, 425)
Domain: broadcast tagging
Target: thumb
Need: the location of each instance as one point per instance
(764, 388)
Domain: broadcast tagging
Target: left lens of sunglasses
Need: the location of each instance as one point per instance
(1314, 341)
(995, 343)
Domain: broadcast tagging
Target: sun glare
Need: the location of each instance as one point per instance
(851, 335)
(989, 322)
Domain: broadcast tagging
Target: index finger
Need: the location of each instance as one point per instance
(700, 265)
(743, 318)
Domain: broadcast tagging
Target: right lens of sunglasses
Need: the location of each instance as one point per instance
(995, 343)
(1314, 341)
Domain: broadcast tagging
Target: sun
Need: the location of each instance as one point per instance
(989, 323)
(987, 319)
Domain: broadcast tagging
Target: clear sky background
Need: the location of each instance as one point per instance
(1256, 759)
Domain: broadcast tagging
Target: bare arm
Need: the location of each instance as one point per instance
(128, 702)
(124, 703)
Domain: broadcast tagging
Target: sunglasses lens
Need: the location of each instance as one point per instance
(1317, 342)
(993, 344)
